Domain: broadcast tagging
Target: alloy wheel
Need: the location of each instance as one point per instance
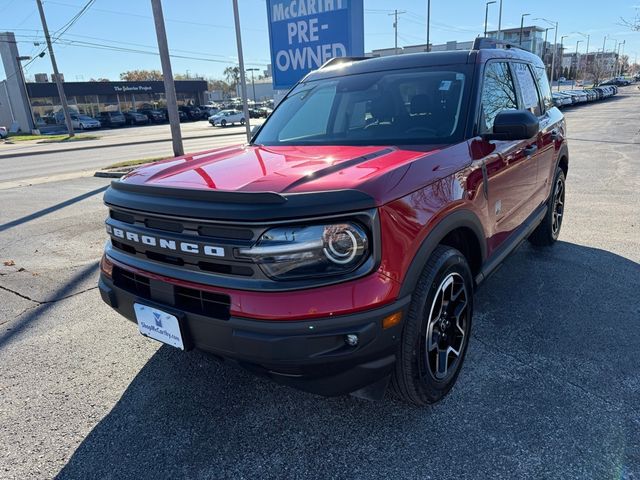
(447, 327)
(558, 206)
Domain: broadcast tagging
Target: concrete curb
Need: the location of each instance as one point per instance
(110, 174)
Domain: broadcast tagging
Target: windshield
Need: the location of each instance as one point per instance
(411, 106)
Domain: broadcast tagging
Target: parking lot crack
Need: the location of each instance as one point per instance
(20, 295)
(43, 302)
(585, 390)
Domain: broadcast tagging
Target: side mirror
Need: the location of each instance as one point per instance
(514, 125)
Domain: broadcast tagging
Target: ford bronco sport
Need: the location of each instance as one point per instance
(339, 250)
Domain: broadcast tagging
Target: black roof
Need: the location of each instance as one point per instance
(484, 50)
(395, 62)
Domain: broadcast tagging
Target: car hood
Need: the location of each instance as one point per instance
(294, 169)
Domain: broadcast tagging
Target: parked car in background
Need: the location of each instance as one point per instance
(111, 119)
(155, 116)
(84, 122)
(192, 113)
(208, 110)
(3, 132)
(255, 113)
(265, 111)
(136, 118)
(181, 114)
(227, 117)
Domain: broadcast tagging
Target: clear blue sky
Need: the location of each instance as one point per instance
(204, 29)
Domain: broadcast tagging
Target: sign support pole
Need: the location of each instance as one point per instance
(243, 80)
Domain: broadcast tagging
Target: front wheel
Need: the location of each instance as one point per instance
(81, 126)
(549, 229)
(223, 123)
(242, 121)
(436, 331)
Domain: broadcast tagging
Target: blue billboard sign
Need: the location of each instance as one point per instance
(306, 33)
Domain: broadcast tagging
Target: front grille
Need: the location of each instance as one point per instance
(190, 300)
(229, 237)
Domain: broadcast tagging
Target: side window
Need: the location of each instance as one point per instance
(543, 85)
(498, 94)
(528, 90)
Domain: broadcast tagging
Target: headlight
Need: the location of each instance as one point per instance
(286, 253)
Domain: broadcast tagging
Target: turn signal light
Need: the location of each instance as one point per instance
(106, 266)
(392, 320)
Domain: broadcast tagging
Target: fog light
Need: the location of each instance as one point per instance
(351, 340)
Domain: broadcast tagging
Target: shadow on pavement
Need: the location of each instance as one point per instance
(550, 390)
(17, 326)
(51, 209)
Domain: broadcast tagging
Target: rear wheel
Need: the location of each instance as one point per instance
(223, 123)
(81, 126)
(548, 231)
(436, 333)
(242, 121)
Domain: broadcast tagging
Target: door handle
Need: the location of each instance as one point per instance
(530, 150)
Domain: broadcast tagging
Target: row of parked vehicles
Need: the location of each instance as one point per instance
(566, 98)
(229, 113)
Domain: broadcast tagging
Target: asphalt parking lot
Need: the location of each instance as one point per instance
(550, 387)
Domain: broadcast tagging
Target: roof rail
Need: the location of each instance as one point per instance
(332, 62)
(482, 43)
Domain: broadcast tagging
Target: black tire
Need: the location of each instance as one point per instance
(414, 379)
(242, 121)
(223, 123)
(548, 231)
(81, 126)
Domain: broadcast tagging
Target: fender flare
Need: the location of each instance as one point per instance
(459, 218)
(563, 151)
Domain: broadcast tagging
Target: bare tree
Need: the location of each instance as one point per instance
(633, 23)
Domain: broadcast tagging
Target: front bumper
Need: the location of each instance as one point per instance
(310, 355)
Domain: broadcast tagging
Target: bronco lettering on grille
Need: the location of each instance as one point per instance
(164, 243)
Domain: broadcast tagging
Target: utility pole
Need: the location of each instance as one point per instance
(63, 97)
(622, 61)
(167, 75)
(499, 21)
(395, 28)
(243, 81)
(428, 24)
(486, 16)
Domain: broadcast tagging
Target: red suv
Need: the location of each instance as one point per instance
(339, 251)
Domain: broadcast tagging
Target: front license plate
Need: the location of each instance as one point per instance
(158, 325)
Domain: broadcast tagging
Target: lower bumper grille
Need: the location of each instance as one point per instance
(191, 300)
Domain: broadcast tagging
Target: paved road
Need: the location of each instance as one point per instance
(26, 161)
(550, 388)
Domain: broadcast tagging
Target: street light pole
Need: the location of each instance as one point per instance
(54, 64)
(522, 25)
(486, 16)
(575, 77)
(561, 53)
